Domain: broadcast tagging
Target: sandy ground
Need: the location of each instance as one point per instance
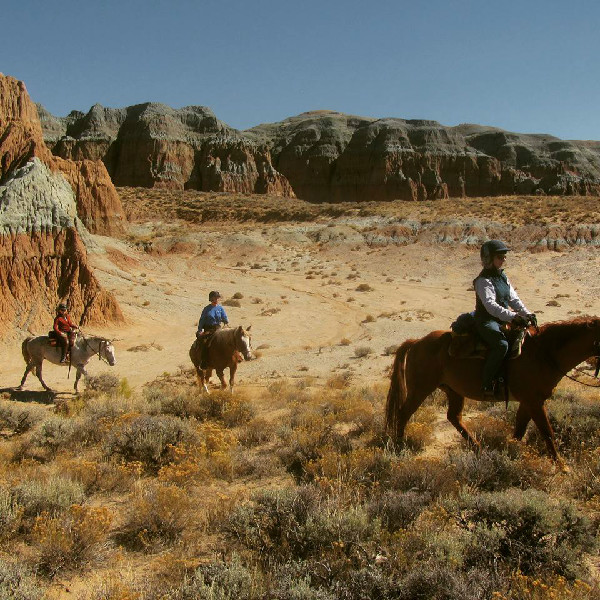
(313, 306)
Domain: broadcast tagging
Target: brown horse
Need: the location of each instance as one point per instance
(225, 349)
(421, 366)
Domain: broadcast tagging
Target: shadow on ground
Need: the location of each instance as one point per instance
(41, 397)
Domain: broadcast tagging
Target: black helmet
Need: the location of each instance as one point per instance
(490, 248)
(61, 306)
(213, 296)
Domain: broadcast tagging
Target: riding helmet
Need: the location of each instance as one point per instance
(61, 306)
(213, 295)
(491, 248)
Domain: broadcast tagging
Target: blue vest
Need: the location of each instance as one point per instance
(502, 287)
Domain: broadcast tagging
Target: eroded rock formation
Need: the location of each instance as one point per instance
(323, 155)
(45, 204)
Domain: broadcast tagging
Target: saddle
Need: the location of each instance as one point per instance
(465, 342)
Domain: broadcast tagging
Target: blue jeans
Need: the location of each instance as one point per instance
(497, 343)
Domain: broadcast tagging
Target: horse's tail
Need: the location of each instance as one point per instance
(25, 351)
(397, 393)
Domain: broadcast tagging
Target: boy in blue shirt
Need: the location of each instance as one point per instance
(212, 316)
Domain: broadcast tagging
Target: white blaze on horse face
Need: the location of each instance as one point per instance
(109, 354)
(247, 347)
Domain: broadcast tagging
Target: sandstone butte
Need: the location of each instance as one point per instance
(47, 207)
(321, 155)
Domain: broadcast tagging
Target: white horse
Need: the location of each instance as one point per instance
(36, 349)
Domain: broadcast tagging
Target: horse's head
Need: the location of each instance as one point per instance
(107, 352)
(243, 343)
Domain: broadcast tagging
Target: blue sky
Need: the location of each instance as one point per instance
(528, 66)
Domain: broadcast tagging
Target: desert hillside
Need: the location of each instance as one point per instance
(321, 156)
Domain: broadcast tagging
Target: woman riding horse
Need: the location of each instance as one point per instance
(496, 303)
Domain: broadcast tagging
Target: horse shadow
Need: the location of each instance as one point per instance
(39, 397)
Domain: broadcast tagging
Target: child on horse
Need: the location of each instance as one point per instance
(212, 316)
(64, 331)
(496, 303)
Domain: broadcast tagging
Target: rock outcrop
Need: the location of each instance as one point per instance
(152, 145)
(45, 204)
(21, 139)
(323, 155)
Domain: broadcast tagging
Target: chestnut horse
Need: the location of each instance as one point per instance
(421, 366)
(226, 348)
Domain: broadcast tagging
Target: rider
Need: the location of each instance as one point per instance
(64, 330)
(212, 316)
(496, 302)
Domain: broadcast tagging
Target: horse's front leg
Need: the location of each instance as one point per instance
(540, 418)
(232, 370)
(80, 371)
(221, 377)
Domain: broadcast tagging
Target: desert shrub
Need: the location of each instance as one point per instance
(70, 539)
(232, 302)
(186, 403)
(438, 580)
(54, 434)
(223, 581)
(306, 443)
(397, 510)
(389, 350)
(51, 495)
(360, 467)
(362, 351)
(418, 435)
(486, 470)
(364, 287)
(426, 475)
(18, 583)
(103, 475)
(11, 513)
(238, 295)
(493, 433)
(147, 439)
(106, 383)
(210, 455)
(576, 422)
(255, 432)
(157, 516)
(523, 587)
(18, 418)
(295, 523)
(526, 529)
(339, 381)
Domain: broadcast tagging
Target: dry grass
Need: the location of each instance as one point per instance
(196, 503)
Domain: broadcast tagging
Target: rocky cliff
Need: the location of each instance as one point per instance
(45, 205)
(322, 156)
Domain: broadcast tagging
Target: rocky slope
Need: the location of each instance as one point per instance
(322, 156)
(45, 205)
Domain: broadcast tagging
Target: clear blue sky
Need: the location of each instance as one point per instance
(524, 66)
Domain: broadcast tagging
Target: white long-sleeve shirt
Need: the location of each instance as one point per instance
(487, 294)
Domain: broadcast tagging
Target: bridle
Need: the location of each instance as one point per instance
(103, 343)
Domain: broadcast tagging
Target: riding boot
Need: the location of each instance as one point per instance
(63, 358)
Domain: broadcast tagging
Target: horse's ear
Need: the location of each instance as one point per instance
(249, 328)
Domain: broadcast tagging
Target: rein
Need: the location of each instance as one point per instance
(595, 376)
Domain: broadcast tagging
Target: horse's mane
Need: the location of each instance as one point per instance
(559, 332)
